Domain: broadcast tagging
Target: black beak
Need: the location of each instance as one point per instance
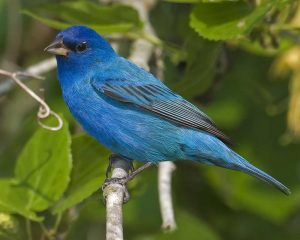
(57, 47)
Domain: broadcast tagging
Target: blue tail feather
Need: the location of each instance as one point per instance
(210, 150)
(254, 171)
(236, 162)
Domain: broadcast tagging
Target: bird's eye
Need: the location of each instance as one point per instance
(81, 47)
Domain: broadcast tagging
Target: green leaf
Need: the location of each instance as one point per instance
(103, 19)
(13, 199)
(227, 20)
(90, 160)
(256, 48)
(43, 168)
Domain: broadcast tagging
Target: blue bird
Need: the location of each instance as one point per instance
(133, 113)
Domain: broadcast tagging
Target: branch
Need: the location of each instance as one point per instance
(44, 110)
(114, 195)
(36, 69)
(165, 195)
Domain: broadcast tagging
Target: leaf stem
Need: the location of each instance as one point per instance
(28, 229)
(57, 222)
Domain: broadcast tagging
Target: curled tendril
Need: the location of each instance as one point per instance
(45, 113)
(44, 110)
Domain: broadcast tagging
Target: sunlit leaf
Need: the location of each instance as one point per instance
(9, 227)
(43, 168)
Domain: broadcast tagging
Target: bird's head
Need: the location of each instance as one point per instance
(78, 45)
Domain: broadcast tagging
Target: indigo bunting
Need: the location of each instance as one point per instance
(133, 113)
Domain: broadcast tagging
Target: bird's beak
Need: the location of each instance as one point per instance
(57, 47)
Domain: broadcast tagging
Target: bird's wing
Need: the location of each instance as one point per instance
(159, 99)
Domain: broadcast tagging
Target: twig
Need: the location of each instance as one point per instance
(44, 110)
(114, 195)
(28, 229)
(165, 195)
(36, 69)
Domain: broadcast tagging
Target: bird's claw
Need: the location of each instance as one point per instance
(121, 181)
(108, 181)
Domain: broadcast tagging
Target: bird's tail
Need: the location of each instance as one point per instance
(254, 171)
(242, 165)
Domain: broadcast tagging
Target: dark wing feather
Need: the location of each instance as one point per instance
(162, 101)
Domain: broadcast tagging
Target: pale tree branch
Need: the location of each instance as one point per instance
(44, 110)
(114, 195)
(37, 69)
(165, 195)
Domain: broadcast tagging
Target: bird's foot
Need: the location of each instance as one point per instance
(125, 180)
(120, 181)
(108, 181)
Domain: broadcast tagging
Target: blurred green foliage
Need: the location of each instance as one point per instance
(50, 181)
(104, 19)
(227, 20)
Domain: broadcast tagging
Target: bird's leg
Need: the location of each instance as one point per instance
(118, 161)
(127, 165)
(111, 160)
(108, 169)
(138, 170)
(123, 181)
